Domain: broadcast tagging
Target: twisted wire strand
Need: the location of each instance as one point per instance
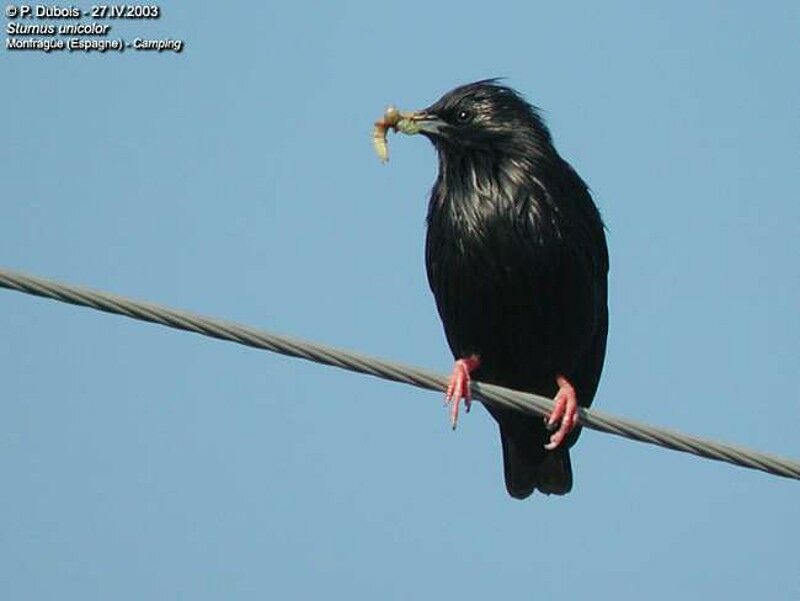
(489, 393)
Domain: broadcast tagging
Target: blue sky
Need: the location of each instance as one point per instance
(237, 179)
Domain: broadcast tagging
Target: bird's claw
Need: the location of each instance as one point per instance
(564, 416)
(459, 387)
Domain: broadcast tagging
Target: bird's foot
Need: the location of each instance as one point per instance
(565, 410)
(458, 388)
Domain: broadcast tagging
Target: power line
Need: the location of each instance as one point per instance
(497, 395)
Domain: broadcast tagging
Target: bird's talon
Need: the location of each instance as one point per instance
(459, 387)
(564, 414)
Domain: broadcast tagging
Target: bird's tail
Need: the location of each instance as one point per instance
(529, 466)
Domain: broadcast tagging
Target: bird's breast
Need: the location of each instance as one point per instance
(488, 286)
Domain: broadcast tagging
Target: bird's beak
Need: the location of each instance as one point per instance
(421, 122)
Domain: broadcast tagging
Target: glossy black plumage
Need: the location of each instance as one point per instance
(517, 261)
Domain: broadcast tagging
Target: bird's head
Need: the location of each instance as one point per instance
(482, 116)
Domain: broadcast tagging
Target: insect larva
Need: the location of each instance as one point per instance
(380, 132)
(379, 141)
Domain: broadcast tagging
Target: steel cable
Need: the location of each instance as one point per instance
(522, 401)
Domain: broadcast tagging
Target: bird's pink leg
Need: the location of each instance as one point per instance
(565, 409)
(458, 388)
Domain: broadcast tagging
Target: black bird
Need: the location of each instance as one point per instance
(517, 260)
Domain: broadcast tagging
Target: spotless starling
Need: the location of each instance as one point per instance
(517, 260)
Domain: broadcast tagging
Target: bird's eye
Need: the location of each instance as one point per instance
(463, 116)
